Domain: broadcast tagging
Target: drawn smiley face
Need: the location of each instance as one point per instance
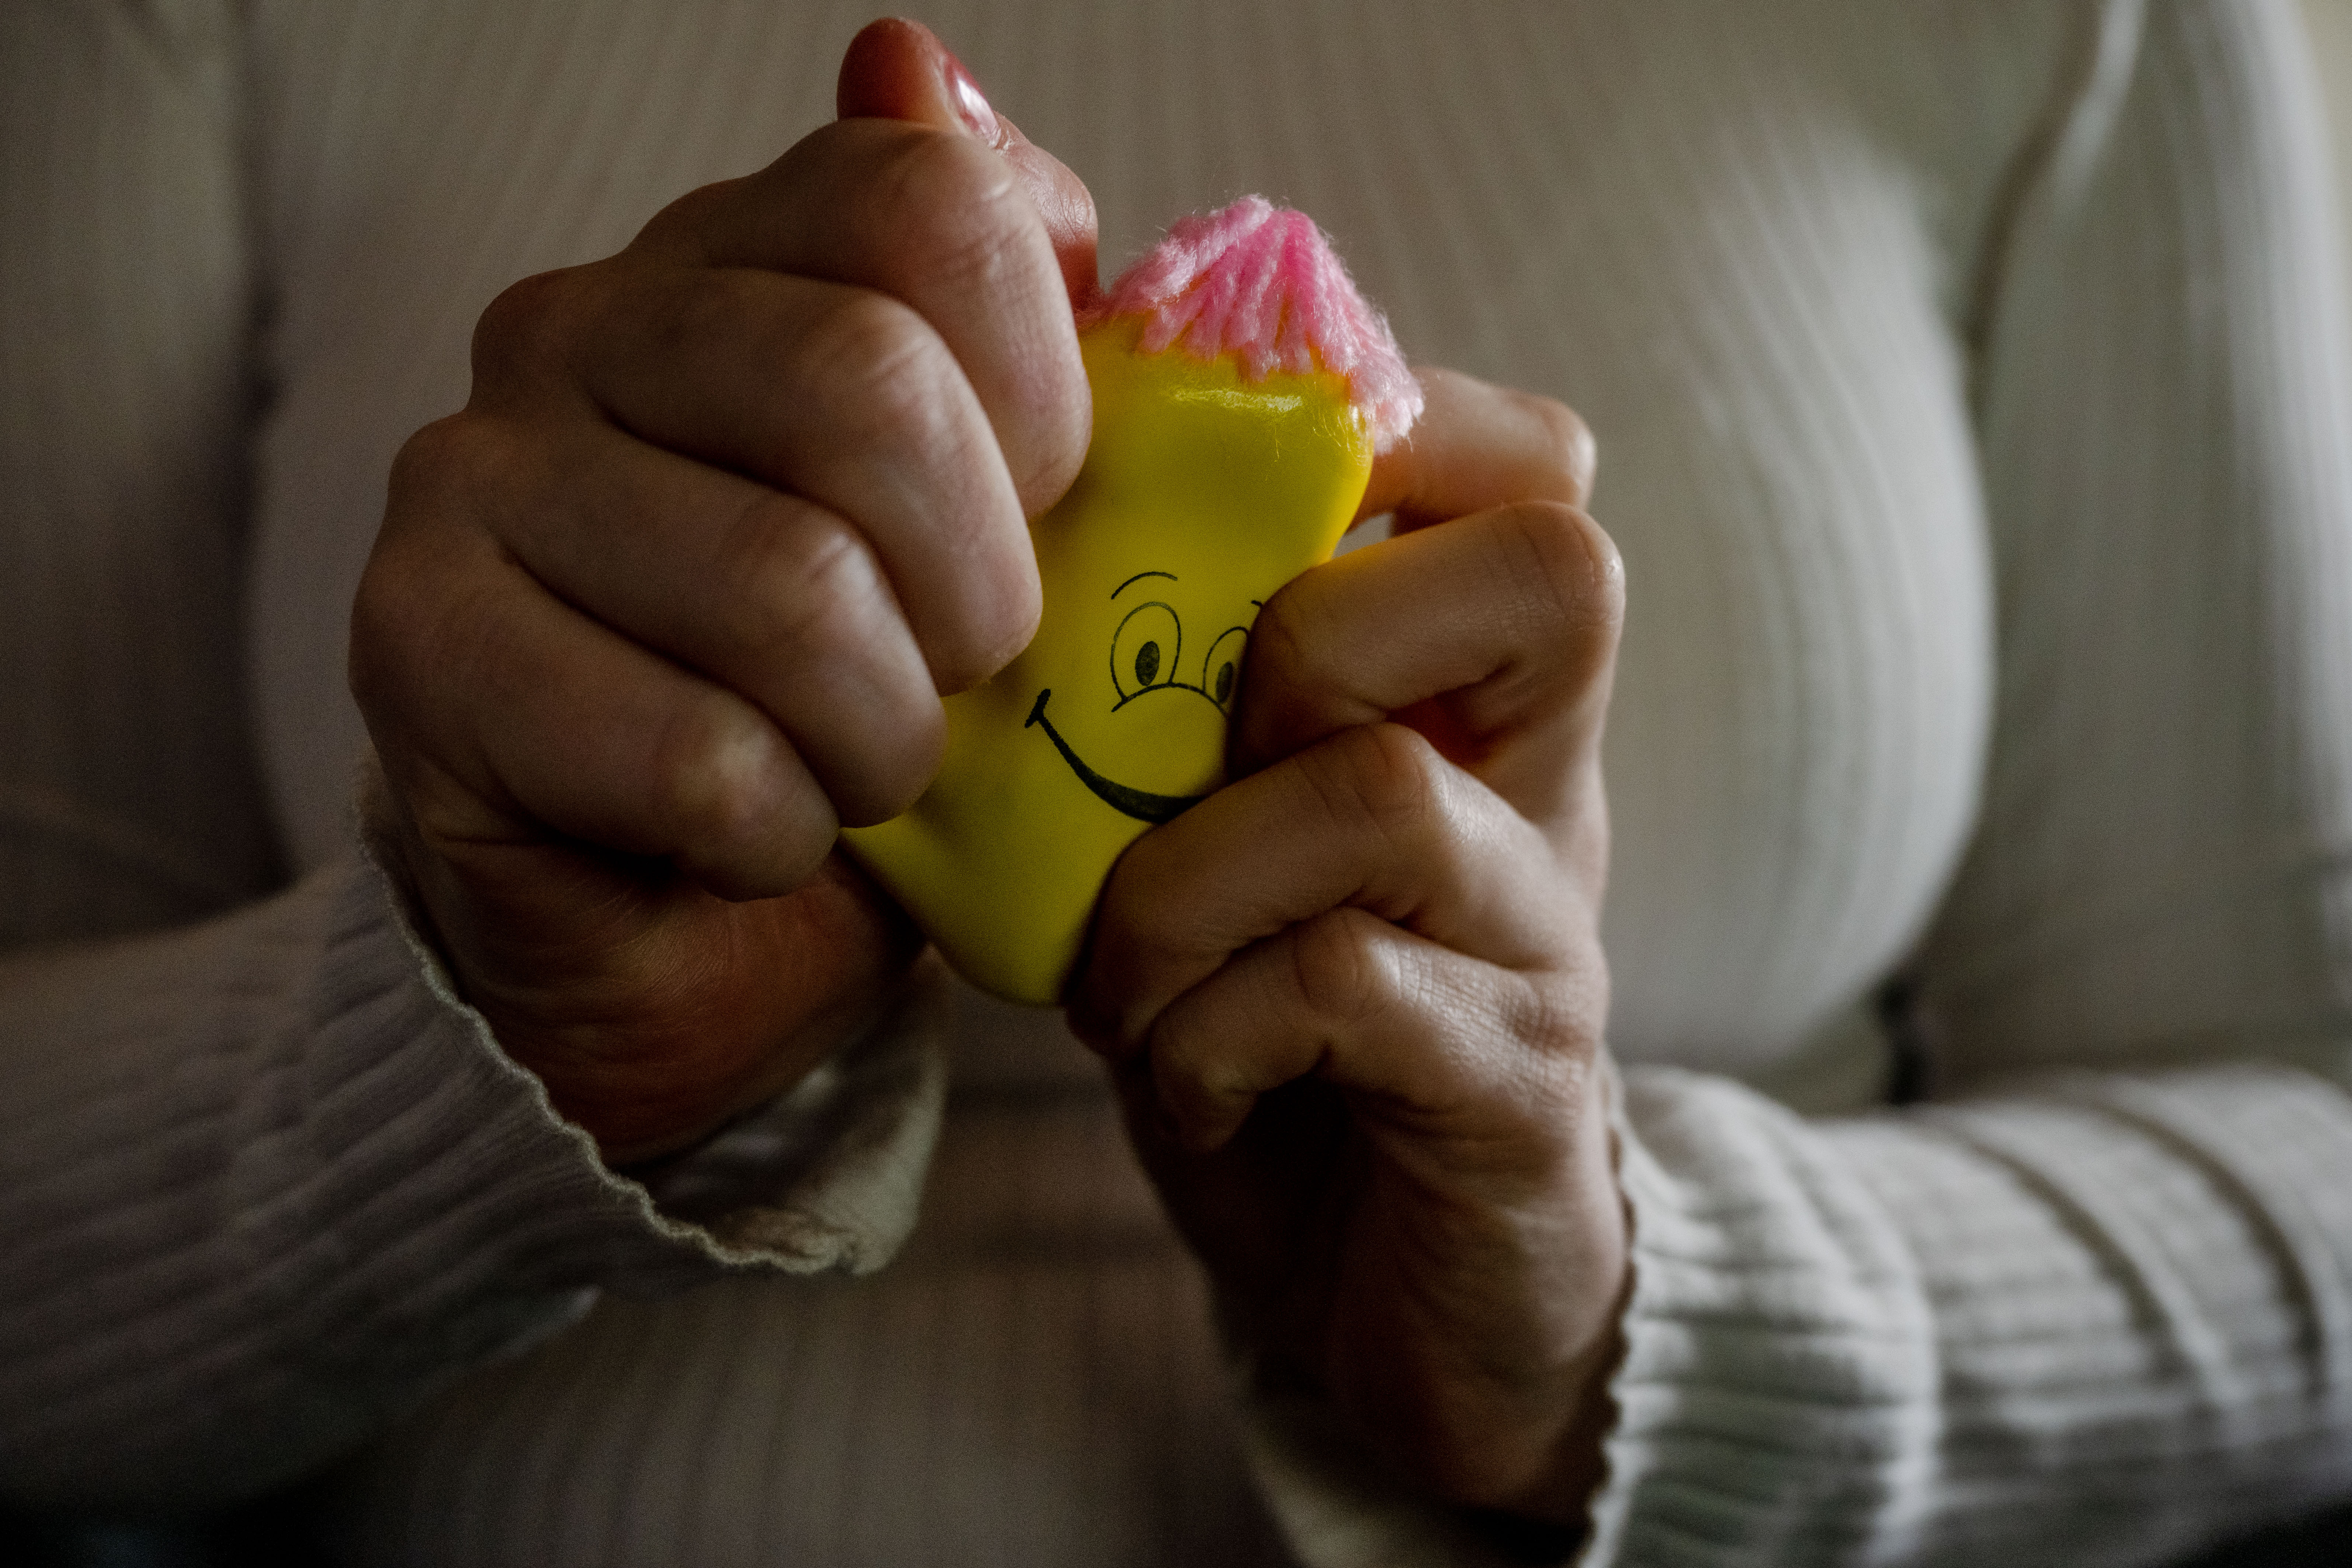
(1148, 659)
(1201, 496)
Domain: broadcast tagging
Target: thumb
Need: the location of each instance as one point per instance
(898, 69)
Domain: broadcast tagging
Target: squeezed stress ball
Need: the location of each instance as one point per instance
(1241, 388)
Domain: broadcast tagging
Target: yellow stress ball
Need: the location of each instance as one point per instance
(1213, 479)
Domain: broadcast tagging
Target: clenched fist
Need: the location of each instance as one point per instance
(678, 591)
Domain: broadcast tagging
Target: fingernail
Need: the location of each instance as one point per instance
(968, 103)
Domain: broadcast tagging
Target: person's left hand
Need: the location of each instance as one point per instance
(1354, 1000)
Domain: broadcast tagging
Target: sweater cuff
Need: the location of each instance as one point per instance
(278, 1183)
(1779, 1369)
(826, 1177)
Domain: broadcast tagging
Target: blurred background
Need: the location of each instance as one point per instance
(2331, 38)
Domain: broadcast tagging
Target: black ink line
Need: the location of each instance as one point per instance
(1142, 805)
(1138, 577)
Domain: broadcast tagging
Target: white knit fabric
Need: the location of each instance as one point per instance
(1969, 383)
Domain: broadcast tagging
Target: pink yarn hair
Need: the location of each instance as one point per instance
(1262, 283)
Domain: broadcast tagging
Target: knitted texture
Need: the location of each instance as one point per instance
(1262, 283)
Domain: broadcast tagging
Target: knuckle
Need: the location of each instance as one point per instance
(884, 372)
(1569, 563)
(955, 207)
(529, 326)
(1278, 644)
(1290, 647)
(957, 218)
(1555, 1075)
(804, 592)
(440, 461)
(372, 654)
(1562, 1016)
(679, 224)
(383, 628)
(1337, 968)
(714, 778)
(897, 395)
(1392, 779)
(1565, 441)
(801, 584)
(439, 477)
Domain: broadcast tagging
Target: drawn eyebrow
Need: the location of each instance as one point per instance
(1138, 577)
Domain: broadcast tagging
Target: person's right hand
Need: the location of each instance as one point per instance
(678, 591)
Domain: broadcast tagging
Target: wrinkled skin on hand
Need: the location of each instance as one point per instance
(678, 591)
(1355, 1001)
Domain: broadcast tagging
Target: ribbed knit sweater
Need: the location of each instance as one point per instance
(1970, 384)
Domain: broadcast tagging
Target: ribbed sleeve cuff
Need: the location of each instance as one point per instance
(2104, 1310)
(1777, 1393)
(827, 1177)
(1777, 1396)
(279, 1181)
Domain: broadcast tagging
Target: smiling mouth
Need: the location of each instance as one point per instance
(1140, 803)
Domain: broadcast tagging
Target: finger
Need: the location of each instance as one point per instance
(1478, 446)
(940, 222)
(774, 598)
(1351, 999)
(1065, 206)
(850, 399)
(1371, 818)
(510, 714)
(1492, 628)
(898, 69)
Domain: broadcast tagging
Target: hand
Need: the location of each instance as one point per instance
(678, 591)
(1355, 1000)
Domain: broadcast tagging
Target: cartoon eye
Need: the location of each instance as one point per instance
(1224, 664)
(1143, 651)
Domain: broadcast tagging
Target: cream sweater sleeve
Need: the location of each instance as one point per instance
(2096, 1304)
(2093, 1303)
(263, 1180)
